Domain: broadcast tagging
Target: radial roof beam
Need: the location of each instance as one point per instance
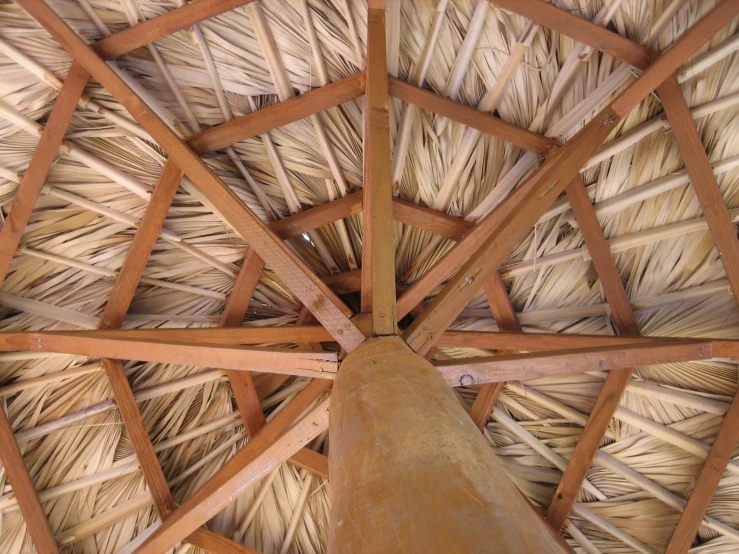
(15, 469)
(318, 216)
(471, 117)
(507, 225)
(616, 382)
(272, 446)
(378, 234)
(520, 367)
(534, 342)
(41, 162)
(707, 483)
(430, 220)
(317, 297)
(505, 316)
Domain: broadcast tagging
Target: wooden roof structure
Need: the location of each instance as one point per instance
(220, 200)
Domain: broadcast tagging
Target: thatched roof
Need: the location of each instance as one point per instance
(79, 454)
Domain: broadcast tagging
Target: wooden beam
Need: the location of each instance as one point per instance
(311, 461)
(318, 216)
(244, 358)
(521, 367)
(141, 246)
(505, 316)
(536, 342)
(317, 297)
(467, 115)
(266, 451)
(41, 162)
(278, 115)
(430, 220)
(15, 469)
(707, 483)
(237, 305)
(161, 26)
(378, 234)
(508, 224)
(214, 335)
(701, 175)
(616, 382)
(580, 29)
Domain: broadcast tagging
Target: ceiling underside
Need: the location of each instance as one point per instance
(84, 221)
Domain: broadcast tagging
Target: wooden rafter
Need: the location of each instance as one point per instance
(507, 225)
(534, 342)
(282, 113)
(28, 502)
(237, 305)
(313, 218)
(378, 236)
(230, 357)
(115, 310)
(707, 483)
(43, 157)
(317, 297)
(272, 446)
(505, 317)
(520, 367)
(616, 382)
(430, 220)
(467, 115)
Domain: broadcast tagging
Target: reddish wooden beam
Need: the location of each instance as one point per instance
(508, 224)
(282, 113)
(311, 461)
(318, 216)
(319, 299)
(272, 446)
(535, 342)
(707, 483)
(505, 316)
(15, 469)
(163, 25)
(467, 115)
(237, 305)
(430, 220)
(580, 29)
(520, 367)
(701, 175)
(43, 157)
(616, 382)
(378, 234)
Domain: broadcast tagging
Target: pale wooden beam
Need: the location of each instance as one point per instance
(15, 469)
(467, 115)
(616, 382)
(707, 483)
(272, 446)
(319, 299)
(237, 305)
(41, 162)
(520, 367)
(505, 317)
(508, 224)
(378, 235)
(278, 115)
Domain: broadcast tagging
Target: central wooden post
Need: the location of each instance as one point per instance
(409, 470)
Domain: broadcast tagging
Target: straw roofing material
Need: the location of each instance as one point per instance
(82, 225)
